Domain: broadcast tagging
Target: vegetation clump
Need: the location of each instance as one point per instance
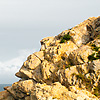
(68, 66)
(65, 38)
(95, 55)
(98, 36)
(97, 91)
(62, 41)
(63, 57)
(91, 57)
(86, 81)
(80, 76)
(94, 47)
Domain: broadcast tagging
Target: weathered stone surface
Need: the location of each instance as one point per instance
(49, 92)
(39, 55)
(67, 47)
(28, 98)
(21, 75)
(77, 75)
(95, 66)
(37, 74)
(82, 32)
(68, 77)
(15, 93)
(54, 53)
(26, 72)
(67, 67)
(32, 62)
(96, 27)
(80, 55)
(21, 89)
(82, 94)
(58, 92)
(4, 95)
(49, 72)
(46, 42)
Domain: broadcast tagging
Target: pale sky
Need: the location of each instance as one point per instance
(23, 23)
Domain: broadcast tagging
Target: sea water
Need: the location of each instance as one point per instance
(3, 85)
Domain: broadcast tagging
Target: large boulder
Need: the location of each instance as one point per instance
(5, 95)
(21, 89)
(80, 55)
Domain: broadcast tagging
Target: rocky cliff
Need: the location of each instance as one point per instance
(67, 67)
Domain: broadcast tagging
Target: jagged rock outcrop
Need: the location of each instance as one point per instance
(67, 67)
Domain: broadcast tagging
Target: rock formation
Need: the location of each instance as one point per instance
(67, 67)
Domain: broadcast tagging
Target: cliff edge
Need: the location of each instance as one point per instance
(67, 67)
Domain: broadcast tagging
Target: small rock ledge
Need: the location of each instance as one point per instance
(67, 67)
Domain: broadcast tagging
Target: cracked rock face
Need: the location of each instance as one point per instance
(67, 67)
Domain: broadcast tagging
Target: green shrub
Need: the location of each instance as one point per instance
(62, 41)
(96, 55)
(97, 91)
(91, 57)
(65, 38)
(94, 47)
